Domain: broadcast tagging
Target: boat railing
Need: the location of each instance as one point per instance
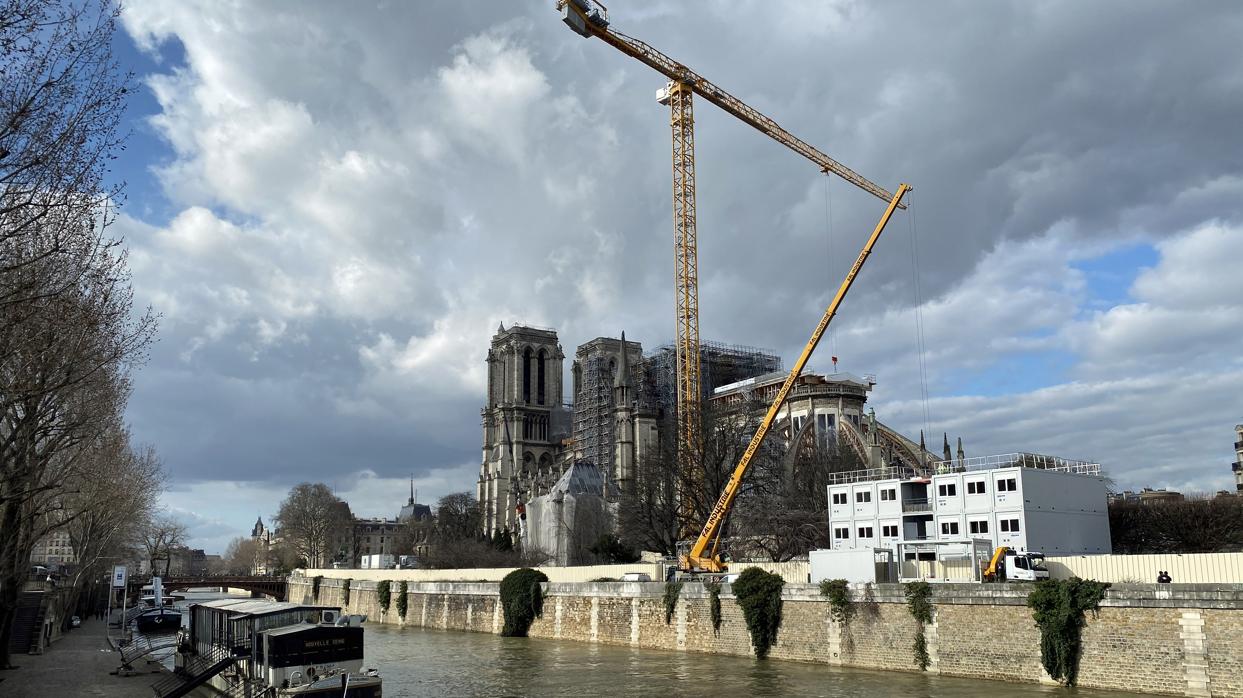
(195, 672)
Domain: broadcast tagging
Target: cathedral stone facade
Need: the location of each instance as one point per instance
(531, 437)
(524, 422)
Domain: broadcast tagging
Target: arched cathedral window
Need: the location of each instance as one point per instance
(526, 375)
(539, 378)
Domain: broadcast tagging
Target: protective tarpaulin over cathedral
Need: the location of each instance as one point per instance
(572, 516)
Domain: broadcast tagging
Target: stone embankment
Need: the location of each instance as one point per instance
(1180, 639)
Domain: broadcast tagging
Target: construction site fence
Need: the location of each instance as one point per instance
(585, 573)
(1191, 568)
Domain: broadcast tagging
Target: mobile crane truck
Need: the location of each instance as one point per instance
(1008, 565)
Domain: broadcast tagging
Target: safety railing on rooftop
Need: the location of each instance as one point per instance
(1016, 460)
(962, 465)
(897, 472)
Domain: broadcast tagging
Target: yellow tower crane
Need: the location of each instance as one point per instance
(589, 18)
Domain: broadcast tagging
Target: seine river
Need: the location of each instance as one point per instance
(418, 662)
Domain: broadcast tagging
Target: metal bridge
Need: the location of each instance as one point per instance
(274, 587)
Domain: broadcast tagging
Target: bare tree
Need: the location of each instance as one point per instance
(457, 543)
(1192, 525)
(162, 535)
(68, 335)
(314, 522)
(109, 504)
(239, 557)
(668, 502)
(781, 511)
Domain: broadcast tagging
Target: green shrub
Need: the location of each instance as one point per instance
(672, 591)
(522, 600)
(345, 593)
(759, 595)
(1058, 607)
(918, 600)
(605, 579)
(837, 591)
(402, 601)
(383, 595)
(714, 605)
(315, 586)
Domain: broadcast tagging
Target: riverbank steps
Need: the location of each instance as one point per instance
(1170, 639)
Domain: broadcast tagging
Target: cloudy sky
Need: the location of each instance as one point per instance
(333, 205)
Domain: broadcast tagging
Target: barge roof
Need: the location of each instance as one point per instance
(258, 607)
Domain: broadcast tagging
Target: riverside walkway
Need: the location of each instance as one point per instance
(79, 664)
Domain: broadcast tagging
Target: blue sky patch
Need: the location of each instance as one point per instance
(146, 149)
(1009, 375)
(1109, 276)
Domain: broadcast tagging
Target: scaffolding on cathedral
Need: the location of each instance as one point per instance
(593, 412)
(721, 364)
(594, 419)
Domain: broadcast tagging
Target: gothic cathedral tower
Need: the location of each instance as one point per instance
(520, 444)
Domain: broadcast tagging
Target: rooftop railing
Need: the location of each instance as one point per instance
(1035, 461)
(898, 472)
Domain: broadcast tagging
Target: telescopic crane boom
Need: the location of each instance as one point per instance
(697, 560)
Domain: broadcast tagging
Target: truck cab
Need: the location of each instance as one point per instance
(1009, 565)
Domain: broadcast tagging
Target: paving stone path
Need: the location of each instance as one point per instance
(79, 664)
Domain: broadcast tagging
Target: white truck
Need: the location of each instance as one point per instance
(1009, 565)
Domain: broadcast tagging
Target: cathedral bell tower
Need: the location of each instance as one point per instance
(520, 441)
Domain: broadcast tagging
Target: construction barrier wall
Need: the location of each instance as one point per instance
(586, 573)
(1195, 568)
(1192, 568)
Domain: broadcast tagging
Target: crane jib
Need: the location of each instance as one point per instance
(673, 70)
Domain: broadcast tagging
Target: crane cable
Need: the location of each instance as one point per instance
(920, 344)
(828, 216)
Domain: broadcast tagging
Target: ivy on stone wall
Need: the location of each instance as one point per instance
(841, 608)
(345, 593)
(402, 601)
(672, 591)
(918, 600)
(1059, 607)
(714, 605)
(522, 600)
(315, 586)
(759, 595)
(383, 595)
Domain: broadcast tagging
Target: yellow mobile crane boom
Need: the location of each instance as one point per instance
(711, 533)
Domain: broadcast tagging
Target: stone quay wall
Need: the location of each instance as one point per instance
(1179, 639)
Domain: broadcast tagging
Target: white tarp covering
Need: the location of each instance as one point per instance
(568, 520)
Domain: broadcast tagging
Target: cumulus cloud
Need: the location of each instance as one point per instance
(360, 195)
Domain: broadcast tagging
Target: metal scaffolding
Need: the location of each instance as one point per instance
(595, 367)
(721, 364)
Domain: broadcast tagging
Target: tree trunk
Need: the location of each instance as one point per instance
(13, 573)
(8, 608)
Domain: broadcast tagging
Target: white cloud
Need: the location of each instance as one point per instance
(360, 195)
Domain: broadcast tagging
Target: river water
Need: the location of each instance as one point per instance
(422, 662)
